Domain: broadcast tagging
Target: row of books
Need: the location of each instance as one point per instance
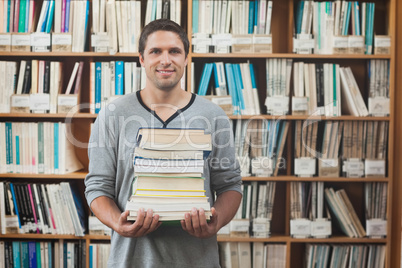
(42, 254)
(334, 139)
(37, 148)
(110, 79)
(322, 255)
(38, 77)
(169, 186)
(255, 254)
(163, 9)
(307, 202)
(237, 80)
(98, 255)
(339, 18)
(260, 140)
(41, 208)
(26, 16)
(235, 17)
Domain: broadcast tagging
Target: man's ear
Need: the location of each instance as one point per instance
(141, 60)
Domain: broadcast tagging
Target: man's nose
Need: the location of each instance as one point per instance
(165, 58)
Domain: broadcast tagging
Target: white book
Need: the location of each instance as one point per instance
(72, 78)
(244, 253)
(68, 160)
(102, 16)
(148, 12)
(131, 14)
(269, 18)
(361, 106)
(65, 186)
(119, 26)
(128, 77)
(39, 212)
(112, 78)
(228, 17)
(95, 15)
(57, 15)
(262, 16)
(4, 106)
(42, 15)
(21, 76)
(105, 83)
(224, 12)
(135, 78)
(5, 18)
(2, 197)
(178, 12)
(158, 9)
(338, 4)
(111, 27)
(54, 204)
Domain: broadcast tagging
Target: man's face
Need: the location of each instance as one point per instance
(164, 59)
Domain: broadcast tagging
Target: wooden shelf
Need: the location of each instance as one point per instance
(75, 175)
(290, 55)
(45, 116)
(315, 118)
(66, 54)
(334, 179)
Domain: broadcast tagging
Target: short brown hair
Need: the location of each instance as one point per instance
(163, 25)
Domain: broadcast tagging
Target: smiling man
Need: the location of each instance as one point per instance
(163, 48)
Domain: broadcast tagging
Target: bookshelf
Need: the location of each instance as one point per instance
(388, 20)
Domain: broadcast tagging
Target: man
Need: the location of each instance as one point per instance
(163, 48)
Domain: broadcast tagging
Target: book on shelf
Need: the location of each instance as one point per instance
(170, 187)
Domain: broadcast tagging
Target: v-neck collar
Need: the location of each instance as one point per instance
(173, 116)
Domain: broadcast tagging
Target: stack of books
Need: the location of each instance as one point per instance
(168, 166)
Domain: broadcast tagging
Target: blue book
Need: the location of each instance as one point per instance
(98, 86)
(15, 204)
(43, 26)
(239, 87)
(38, 255)
(50, 16)
(50, 254)
(347, 18)
(9, 146)
(8, 13)
(67, 21)
(216, 79)
(299, 16)
(357, 17)
(56, 147)
(232, 87)
(119, 78)
(195, 15)
(251, 17)
(91, 256)
(153, 13)
(17, 154)
(24, 254)
(252, 75)
(27, 16)
(16, 254)
(206, 76)
(32, 254)
(256, 9)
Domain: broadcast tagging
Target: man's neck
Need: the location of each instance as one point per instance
(165, 103)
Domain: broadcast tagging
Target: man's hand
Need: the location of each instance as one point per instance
(145, 224)
(195, 223)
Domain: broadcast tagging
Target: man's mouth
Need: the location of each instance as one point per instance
(165, 71)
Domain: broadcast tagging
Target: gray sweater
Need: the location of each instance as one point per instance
(111, 174)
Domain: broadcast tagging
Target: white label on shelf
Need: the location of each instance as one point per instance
(221, 39)
(61, 39)
(240, 225)
(39, 102)
(5, 39)
(303, 43)
(21, 40)
(326, 163)
(262, 39)
(95, 224)
(222, 100)
(353, 167)
(376, 227)
(20, 100)
(202, 41)
(374, 167)
(299, 104)
(378, 106)
(201, 49)
(356, 41)
(305, 166)
(321, 228)
(262, 166)
(340, 41)
(243, 40)
(300, 227)
(277, 105)
(67, 100)
(40, 39)
(261, 225)
(100, 40)
(12, 222)
(382, 41)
